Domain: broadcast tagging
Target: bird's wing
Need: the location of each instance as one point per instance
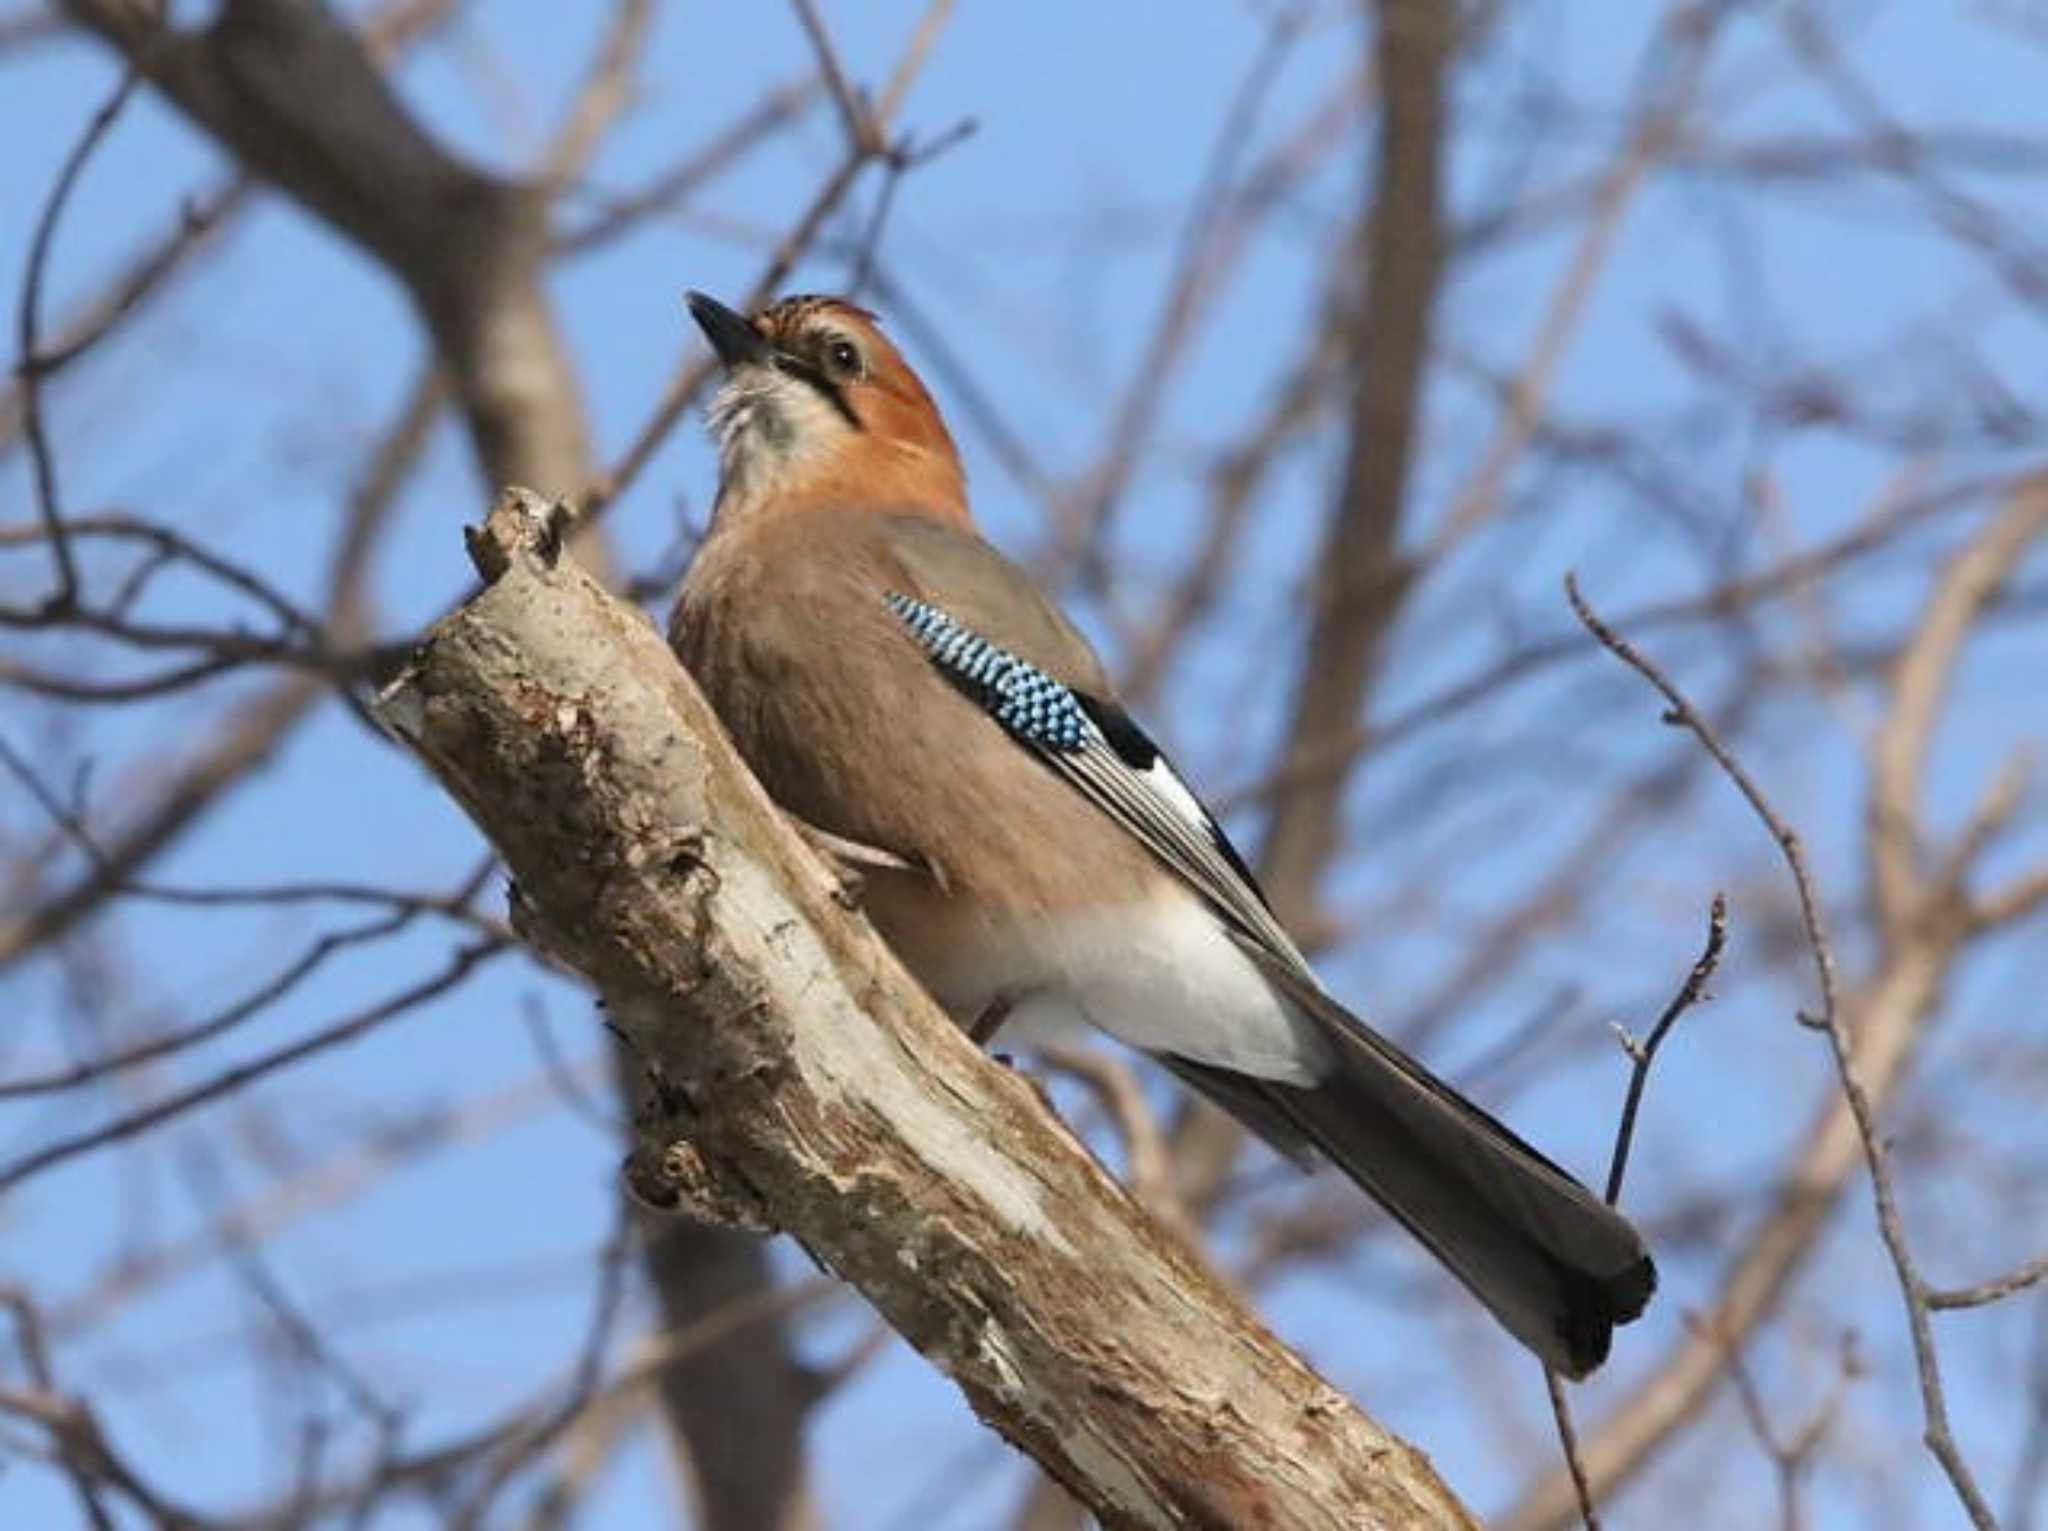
(1093, 743)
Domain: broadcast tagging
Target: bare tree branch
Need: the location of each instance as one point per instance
(32, 364)
(866, 145)
(927, 1176)
(241, 740)
(616, 215)
(293, 93)
(202, 219)
(1642, 1056)
(1360, 581)
(2032, 1273)
(1684, 38)
(1766, 493)
(1361, 578)
(1644, 1053)
(228, 1081)
(1871, 1053)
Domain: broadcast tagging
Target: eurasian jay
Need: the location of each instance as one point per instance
(1030, 855)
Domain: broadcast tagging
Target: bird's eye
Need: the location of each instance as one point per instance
(843, 356)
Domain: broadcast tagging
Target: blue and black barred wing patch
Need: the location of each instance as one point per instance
(1023, 698)
(1096, 746)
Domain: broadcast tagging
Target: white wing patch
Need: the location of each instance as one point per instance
(1161, 777)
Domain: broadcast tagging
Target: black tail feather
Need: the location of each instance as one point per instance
(1555, 1264)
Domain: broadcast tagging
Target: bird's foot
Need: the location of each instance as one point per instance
(990, 1021)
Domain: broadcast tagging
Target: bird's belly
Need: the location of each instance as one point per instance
(1163, 977)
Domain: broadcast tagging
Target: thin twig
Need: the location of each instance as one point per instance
(162, 1045)
(228, 1081)
(1688, 31)
(1644, 1053)
(2016, 900)
(242, 737)
(166, 543)
(302, 1335)
(604, 94)
(405, 909)
(902, 157)
(1790, 1457)
(79, 1445)
(35, 1360)
(912, 60)
(863, 136)
(683, 390)
(1149, 1164)
(410, 1137)
(83, 1449)
(1996, 1290)
(1681, 714)
(1868, 537)
(1200, 262)
(199, 217)
(31, 364)
(1568, 1438)
(541, 1432)
(1939, 1438)
(616, 215)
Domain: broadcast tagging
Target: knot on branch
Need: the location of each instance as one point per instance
(677, 1180)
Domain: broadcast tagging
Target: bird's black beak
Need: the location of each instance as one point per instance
(736, 341)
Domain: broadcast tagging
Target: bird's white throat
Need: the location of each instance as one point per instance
(770, 429)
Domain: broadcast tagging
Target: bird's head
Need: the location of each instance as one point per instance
(818, 407)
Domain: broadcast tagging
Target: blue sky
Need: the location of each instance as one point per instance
(1040, 243)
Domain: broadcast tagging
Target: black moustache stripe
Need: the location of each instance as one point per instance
(802, 370)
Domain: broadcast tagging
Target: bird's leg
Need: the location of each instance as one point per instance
(990, 1021)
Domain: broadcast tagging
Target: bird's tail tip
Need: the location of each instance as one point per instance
(1593, 1307)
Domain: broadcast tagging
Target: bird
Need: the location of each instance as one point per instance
(907, 692)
